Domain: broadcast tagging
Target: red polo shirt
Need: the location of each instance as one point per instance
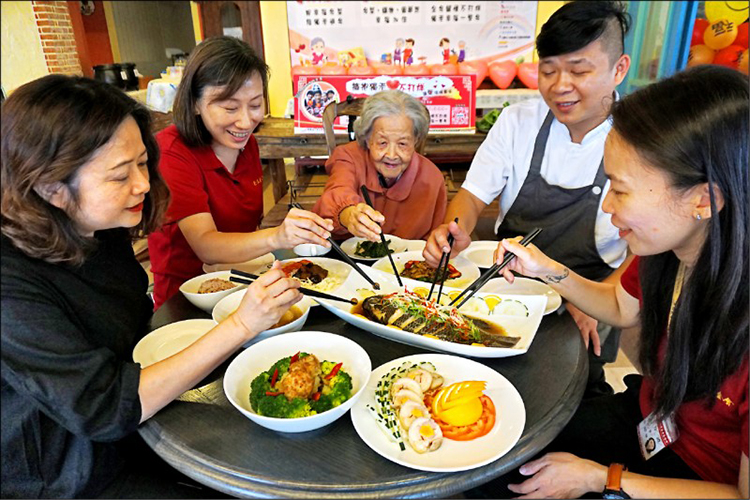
(199, 183)
(711, 439)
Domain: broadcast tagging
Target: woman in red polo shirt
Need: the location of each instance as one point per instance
(211, 163)
(677, 159)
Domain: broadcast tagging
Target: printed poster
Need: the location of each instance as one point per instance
(407, 33)
(450, 100)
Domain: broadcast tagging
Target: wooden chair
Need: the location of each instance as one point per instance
(351, 107)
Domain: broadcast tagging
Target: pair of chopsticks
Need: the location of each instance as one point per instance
(484, 278)
(446, 257)
(248, 278)
(343, 254)
(366, 195)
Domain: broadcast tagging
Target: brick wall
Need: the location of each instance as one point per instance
(56, 33)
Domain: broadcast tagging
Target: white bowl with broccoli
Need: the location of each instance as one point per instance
(306, 393)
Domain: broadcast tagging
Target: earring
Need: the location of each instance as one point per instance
(698, 217)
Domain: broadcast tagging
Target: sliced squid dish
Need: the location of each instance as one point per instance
(410, 411)
(409, 384)
(425, 435)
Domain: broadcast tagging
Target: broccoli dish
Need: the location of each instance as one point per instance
(299, 386)
(373, 250)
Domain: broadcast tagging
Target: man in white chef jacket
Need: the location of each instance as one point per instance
(543, 158)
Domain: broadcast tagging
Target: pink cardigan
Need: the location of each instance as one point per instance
(412, 207)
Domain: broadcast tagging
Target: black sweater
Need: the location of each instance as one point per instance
(69, 385)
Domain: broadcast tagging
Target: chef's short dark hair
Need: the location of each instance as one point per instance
(220, 61)
(576, 24)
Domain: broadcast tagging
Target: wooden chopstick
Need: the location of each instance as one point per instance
(343, 254)
(445, 256)
(496, 268)
(366, 195)
(303, 291)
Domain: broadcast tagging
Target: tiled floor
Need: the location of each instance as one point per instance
(616, 371)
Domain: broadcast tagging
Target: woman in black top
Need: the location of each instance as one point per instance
(79, 182)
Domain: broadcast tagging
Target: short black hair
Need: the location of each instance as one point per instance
(576, 24)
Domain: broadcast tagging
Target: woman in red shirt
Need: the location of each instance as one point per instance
(211, 163)
(677, 159)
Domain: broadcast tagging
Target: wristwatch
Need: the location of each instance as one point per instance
(613, 489)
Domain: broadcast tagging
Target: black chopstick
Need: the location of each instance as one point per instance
(496, 268)
(382, 236)
(446, 257)
(346, 258)
(303, 291)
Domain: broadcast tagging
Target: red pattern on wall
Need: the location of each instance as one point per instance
(56, 33)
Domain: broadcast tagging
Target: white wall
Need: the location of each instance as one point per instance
(21, 51)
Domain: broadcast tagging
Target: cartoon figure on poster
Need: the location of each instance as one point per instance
(409, 52)
(317, 45)
(317, 96)
(445, 44)
(352, 57)
(461, 51)
(398, 51)
(386, 58)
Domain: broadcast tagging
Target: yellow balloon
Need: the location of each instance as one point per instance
(720, 34)
(737, 12)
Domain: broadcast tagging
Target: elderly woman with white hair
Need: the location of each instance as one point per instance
(407, 190)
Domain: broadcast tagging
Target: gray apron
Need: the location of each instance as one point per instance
(568, 216)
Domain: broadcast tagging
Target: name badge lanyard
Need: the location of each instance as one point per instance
(655, 435)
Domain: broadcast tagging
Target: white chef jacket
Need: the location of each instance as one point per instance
(502, 162)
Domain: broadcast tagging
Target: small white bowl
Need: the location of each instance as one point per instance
(228, 305)
(310, 250)
(207, 301)
(261, 356)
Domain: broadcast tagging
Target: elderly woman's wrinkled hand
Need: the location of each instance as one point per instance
(266, 300)
(362, 221)
(301, 226)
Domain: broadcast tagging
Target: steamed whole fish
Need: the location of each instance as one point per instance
(412, 313)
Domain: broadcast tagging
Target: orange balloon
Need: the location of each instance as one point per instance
(417, 69)
(333, 69)
(729, 57)
(444, 69)
(720, 34)
(741, 35)
(469, 68)
(361, 70)
(305, 70)
(742, 63)
(388, 69)
(700, 54)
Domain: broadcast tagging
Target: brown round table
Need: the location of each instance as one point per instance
(203, 436)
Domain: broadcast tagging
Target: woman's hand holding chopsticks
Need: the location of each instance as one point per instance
(302, 226)
(529, 261)
(266, 300)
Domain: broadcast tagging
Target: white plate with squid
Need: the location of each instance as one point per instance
(451, 456)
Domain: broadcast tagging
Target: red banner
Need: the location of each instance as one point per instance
(451, 100)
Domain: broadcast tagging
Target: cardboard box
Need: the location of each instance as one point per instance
(451, 100)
